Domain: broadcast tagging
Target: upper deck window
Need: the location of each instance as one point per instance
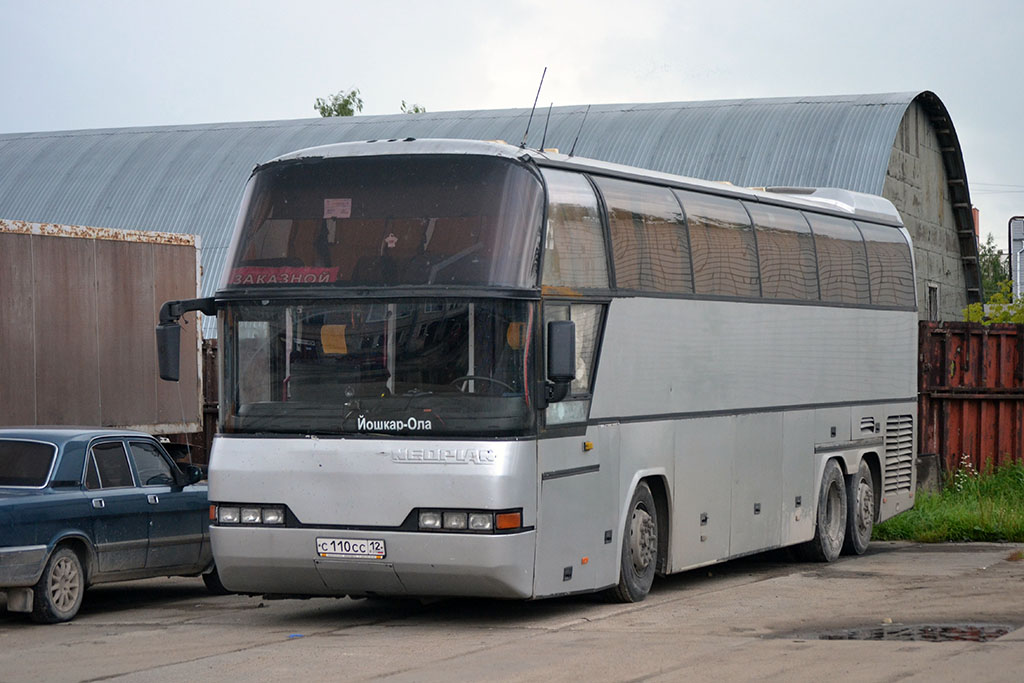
(649, 242)
(785, 248)
(890, 266)
(389, 221)
(574, 252)
(842, 261)
(722, 239)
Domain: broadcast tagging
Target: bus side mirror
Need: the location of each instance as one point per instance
(168, 333)
(168, 350)
(561, 359)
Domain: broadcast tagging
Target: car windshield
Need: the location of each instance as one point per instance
(25, 463)
(397, 367)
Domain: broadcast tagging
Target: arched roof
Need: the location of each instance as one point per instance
(189, 179)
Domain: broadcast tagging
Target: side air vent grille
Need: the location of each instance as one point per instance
(899, 452)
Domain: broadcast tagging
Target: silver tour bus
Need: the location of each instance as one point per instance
(466, 368)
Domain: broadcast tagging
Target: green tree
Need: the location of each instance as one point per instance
(995, 279)
(994, 267)
(340, 103)
(412, 108)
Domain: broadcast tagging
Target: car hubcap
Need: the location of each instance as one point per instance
(64, 584)
(643, 539)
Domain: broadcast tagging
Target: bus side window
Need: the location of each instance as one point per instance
(722, 244)
(587, 317)
(574, 251)
(785, 249)
(889, 265)
(842, 261)
(649, 241)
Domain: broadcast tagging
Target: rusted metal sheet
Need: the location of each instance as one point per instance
(971, 393)
(91, 233)
(78, 306)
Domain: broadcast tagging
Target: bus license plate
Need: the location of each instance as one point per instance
(371, 548)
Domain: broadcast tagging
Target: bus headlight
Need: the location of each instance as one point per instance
(227, 515)
(455, 520)
(468, 521)
(430, 519)
(272, 515)
(481, 521)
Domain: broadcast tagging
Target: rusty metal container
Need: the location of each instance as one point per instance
(971, 393)
(78, 307)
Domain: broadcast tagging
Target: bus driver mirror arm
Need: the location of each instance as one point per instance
(561, 359)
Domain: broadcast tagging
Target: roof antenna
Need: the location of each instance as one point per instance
(527, 132)
(579, 131)
(546, 122)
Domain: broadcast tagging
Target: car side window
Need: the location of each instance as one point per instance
(108, 467)
(153, 468)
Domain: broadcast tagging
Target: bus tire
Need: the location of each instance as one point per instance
(58, 593)
(639, 557)
(830, 522)
(860, 510)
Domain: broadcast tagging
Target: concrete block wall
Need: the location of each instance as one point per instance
(916, 183)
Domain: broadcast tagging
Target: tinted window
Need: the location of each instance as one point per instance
(649, 241)
(587, 318)
(25, 463)
(423, 367)
(396, 220)
(722, 244)
(785, 250)
(842, 262)
(112, 465)
(889, 265)
(574, 252)
(153, 468)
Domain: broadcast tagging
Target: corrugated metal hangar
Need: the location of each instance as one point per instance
(189, 179)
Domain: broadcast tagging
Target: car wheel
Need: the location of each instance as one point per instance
(59, 591)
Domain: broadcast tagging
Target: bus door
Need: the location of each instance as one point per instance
(578, 539)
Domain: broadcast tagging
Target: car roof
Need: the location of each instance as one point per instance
(62, 435)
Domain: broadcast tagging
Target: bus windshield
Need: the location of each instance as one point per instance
(454, 367)
(404, 220)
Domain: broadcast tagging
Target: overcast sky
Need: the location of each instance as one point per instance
(97, 64)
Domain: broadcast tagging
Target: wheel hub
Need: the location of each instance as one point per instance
(643, 539)
(64, 584)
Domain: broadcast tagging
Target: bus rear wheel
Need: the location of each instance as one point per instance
(860, 512)
(830, 524)
(639, 557)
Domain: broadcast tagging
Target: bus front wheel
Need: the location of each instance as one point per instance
(639, 557)
(830, 524)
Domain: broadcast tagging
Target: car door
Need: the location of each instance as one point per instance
(121, 515)
(177, 516)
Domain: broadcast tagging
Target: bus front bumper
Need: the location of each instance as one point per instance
(282, 561)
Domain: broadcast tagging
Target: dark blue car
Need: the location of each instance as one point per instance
(85, 506)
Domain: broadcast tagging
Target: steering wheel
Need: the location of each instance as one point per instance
(482, 378)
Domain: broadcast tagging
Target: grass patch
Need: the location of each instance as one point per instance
(973, 506)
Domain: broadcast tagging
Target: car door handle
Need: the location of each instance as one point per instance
(153, 499)
(98, 503)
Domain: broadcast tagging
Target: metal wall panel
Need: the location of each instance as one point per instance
(17, 333)
(67, 374)
(78, 308)
(972, 393)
